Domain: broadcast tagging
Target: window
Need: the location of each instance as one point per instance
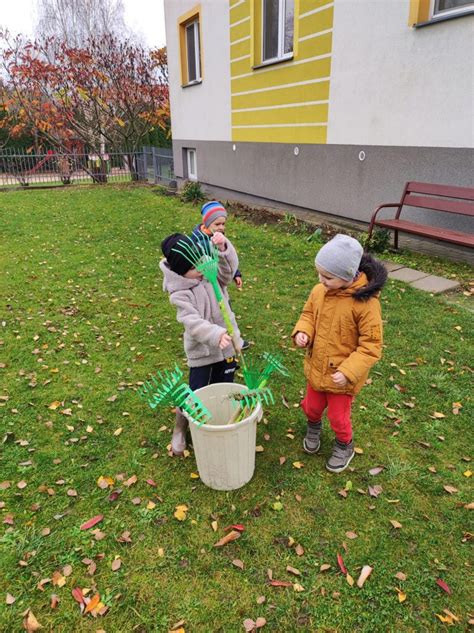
(193, 53)
(445, 7)
(189, 26)
(191, 164)
(278, 26)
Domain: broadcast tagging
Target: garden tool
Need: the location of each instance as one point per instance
(248, 400)
(204, 257)
(167, 388)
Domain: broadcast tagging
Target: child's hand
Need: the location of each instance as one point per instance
(339, 378)
(238, 282)
(219, 240)
(301, 339)
(225, 340)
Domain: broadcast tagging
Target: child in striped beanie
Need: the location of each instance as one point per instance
(213, 220)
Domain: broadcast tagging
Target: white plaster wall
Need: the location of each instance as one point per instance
(396, 85)
(202, 111)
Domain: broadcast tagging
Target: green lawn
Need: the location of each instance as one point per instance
(84, 320)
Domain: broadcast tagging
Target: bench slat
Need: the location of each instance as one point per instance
(440, 204)
(450, 191)
(435, 232)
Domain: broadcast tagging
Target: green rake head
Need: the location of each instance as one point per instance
(202, 254)
(256, 375)
(251, 398)
(167, 388)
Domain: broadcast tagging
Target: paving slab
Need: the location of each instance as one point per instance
(407, 274)
(390, 266)
(435, 284)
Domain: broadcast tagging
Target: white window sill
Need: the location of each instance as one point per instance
(440, 17)
(196, 82)
(275, 60)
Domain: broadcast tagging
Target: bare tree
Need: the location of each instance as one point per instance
(77, 21)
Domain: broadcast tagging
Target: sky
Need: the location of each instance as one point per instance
(145, 17)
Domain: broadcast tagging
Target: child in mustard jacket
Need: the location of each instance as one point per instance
(341, 329)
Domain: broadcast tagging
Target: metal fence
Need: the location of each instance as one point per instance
(55, 168)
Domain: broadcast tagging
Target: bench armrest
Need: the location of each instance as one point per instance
(374, 215)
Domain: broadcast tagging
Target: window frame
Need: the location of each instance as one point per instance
(192, 175)
(197, 51)
(439, 13)
(281, 55)
(192, 18)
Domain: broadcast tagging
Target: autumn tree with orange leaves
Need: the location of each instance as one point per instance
(109, 94)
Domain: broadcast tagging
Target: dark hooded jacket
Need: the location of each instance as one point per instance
(344, 327)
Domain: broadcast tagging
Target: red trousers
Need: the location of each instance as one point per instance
(338, 411)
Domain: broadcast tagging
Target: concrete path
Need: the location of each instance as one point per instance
(420, 280)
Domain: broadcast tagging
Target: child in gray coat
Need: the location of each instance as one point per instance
(207, 344)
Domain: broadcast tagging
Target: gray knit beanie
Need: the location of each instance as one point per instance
(340, 256)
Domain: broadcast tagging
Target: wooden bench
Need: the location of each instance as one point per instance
(439, 198)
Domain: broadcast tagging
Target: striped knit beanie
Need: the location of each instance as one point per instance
(211, 211)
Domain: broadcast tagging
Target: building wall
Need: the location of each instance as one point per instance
(201, 111)
(369, 83)
(285, 101)
(396, 85)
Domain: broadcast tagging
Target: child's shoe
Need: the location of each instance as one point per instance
(341, 457)
(245, 345)
(312, 440)
(178, 441)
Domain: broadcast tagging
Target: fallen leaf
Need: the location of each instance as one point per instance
(58, 579)
(67, 570)
(105, 482)
(324, 567)
(92, 604)
(116, 564)
(297, 587)
(450, 489)
(54, 601)
(298, 465)
(91, 522)
(351, 535)
(340, 562)
(10, 599)
(375, 491)
(214, 526)
(376, 470)
(194, 476)
(299, 549)
(280, 583)
(443, 585)
(282, 460)
(349, 580)
(278, 506)
(238, 563)
(260, 599)
(364, 574)
(235, 526)
(402, 596)
(180, 512)
(78, 595)
(259, 449)
(30, 623)
(54, 405)
(395, 524)
(437, 415)
(130, 481)
(358, 451)
(400, 575)
(228, 538)
(118, 431)
(293, 570)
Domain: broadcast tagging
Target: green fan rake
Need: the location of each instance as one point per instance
(256, 376)
(204, 256)
(167, 389)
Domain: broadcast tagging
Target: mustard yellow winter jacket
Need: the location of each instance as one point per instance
(345, 330)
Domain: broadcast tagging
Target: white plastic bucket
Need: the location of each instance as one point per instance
(225, 453)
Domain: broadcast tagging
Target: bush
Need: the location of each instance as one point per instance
(192, 192)
(379, 242)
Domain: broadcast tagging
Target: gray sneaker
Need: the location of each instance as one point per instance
(312, 440)
(341, 457)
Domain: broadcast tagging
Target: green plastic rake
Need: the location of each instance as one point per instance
(251, 398)
(204, 256)
(167, 388)
(256, 375)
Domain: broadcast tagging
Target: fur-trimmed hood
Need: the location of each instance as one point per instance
(376, 274)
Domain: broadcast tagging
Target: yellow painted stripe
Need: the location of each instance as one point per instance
(281, 135)
(284, 75)
(240, 31)
(240, 11)
(297, 114)
(316, 22)
(310, 5)
(316, 46)
(240, 49)
(291, 94)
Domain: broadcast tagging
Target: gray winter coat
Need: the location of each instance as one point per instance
(199, 311)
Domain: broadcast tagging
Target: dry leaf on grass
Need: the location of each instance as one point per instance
(30, 623)
(233, 535)
(364, 574)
